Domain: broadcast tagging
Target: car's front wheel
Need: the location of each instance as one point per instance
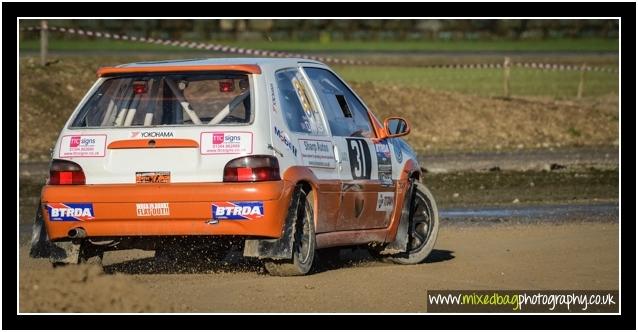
(423, 230)
(304, 243)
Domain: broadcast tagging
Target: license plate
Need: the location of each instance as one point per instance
(153, 177)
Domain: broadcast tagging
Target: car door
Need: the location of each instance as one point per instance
(300, 132)
(365, 168)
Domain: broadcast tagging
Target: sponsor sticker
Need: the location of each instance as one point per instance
(83, 146)
(317, 153)
(152, 177)
(226, 142)
(70, 211)
(384, 162)
(238, 210)
(152, 134)
(152, 209)
(385, 201)
(283, 136)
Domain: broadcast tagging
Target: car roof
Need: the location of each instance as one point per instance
(275, 62)
(250, 65)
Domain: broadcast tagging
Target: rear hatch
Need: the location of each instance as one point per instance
(162, 127)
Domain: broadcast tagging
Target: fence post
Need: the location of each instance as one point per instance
(44, 42)
(506, 77)
(581, 84)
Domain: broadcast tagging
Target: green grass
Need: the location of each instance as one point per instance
(574, 45)
(486, 82)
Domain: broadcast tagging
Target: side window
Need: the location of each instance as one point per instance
(300, 113)
(346, 115)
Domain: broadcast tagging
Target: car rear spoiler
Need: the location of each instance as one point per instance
(108, 71)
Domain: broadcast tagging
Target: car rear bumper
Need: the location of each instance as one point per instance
(113, 210)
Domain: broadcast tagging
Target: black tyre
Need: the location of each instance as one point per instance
(303, 251)
(424, 228)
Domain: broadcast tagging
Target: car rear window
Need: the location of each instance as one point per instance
(169, 99)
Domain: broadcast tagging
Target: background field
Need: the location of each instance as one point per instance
(449, 109)
(552, 45)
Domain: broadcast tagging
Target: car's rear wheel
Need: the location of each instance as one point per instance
(424, 227)
(304, 243)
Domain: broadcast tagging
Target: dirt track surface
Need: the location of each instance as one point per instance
(572, 255)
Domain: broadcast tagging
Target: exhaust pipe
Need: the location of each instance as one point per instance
(77, 233)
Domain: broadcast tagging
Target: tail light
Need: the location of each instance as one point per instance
(66, 172)
(252, 168)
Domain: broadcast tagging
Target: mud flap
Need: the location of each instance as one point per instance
(65, 252)
(280, 248)
(41, 246)
(400, 243)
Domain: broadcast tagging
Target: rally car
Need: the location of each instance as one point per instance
(279, 156)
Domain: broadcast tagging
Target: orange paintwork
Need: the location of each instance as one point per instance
(189, 203)
(329, 201)
(107, 71)
(346, 238)
(190, 208)
(327, 196)
(158, 143)
(365, 192)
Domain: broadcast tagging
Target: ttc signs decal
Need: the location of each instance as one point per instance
(360, 160)
(83, 146)
(226, 142)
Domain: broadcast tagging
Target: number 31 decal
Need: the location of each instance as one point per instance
(360, 160)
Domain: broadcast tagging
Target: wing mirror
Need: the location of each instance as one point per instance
(395, 127)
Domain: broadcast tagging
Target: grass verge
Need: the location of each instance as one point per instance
(530, 187)
(440, 120)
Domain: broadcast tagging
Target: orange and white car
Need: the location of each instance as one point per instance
(277, 155)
